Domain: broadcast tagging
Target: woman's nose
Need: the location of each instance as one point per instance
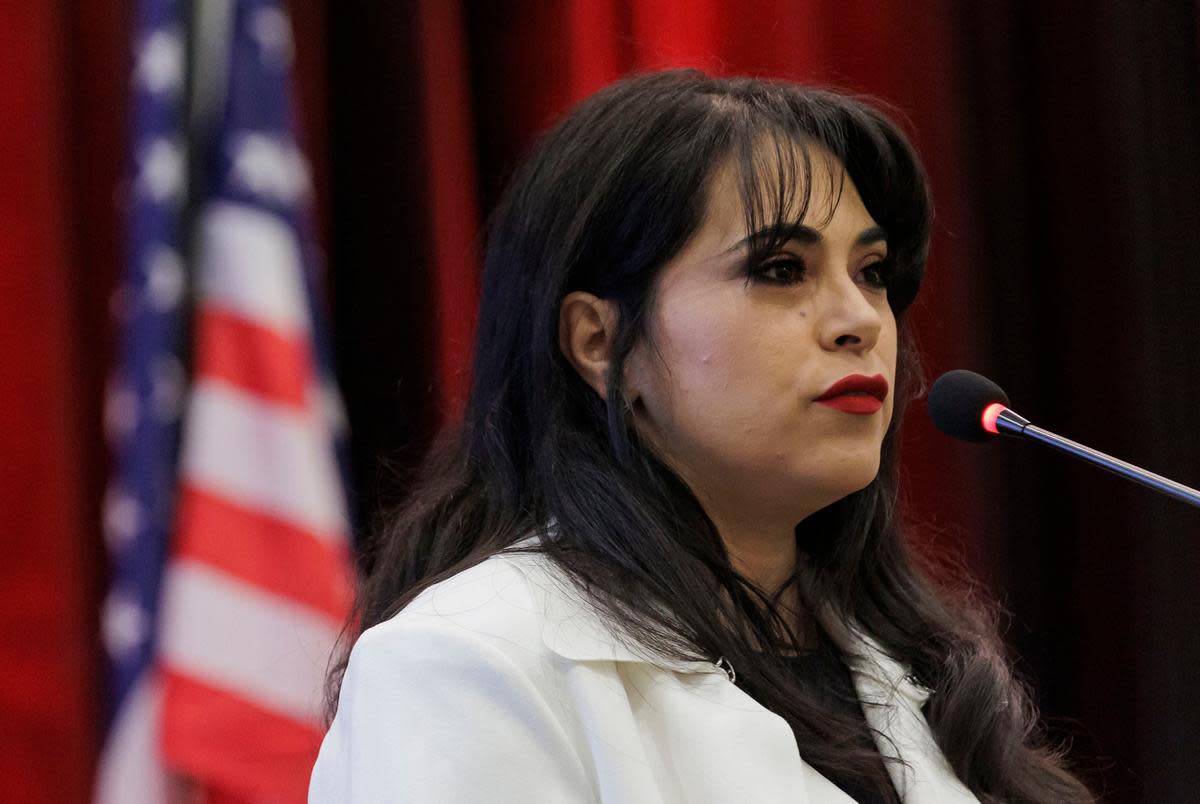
(850, 319)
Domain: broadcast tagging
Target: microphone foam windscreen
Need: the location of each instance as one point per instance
(957, 401)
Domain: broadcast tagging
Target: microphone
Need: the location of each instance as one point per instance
(971, 407)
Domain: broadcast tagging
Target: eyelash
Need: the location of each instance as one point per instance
(885, 269)
(882, 268)
(760, 271)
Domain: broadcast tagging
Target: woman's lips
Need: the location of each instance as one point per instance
(856, 394)
(853, 403)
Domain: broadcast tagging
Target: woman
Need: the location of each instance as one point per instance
(661, 560)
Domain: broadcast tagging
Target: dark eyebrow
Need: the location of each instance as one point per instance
(804, 234)
(868, 237)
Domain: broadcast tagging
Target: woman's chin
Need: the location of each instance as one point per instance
(853, 478)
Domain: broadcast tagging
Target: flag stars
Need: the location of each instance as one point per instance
(122, 518)
(270, 30)
(159, 66)
(162, 171)
(125, 625)
(269, 167)
(165, 279)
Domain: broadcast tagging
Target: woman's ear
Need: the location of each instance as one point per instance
(587, 326)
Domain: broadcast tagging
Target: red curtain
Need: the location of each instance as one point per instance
(48, 474)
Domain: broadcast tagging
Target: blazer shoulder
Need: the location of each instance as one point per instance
(452, 700)
(500, 601)
(526, 606)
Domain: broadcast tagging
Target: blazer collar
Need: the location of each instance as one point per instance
(891, 698)
(574, 629)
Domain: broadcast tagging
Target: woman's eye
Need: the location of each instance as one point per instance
(878, 274)
(784, 271)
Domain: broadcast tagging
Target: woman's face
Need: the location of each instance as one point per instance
(729, 390)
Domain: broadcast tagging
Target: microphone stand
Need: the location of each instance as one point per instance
(1012, 424)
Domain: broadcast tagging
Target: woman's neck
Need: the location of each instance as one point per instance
(763, 551)
(765, 560)
(768, 559)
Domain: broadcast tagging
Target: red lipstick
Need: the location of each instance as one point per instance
(856, 394)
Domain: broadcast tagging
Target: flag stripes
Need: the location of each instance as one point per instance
(262, 362)
(130, 771)
(234, 636)
(241, 751)
(254, 267)
(264, 457)
(245, 544)
(258, 576)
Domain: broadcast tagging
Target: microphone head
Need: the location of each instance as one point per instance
(958, 401)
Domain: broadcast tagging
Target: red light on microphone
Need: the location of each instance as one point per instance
(990, 414)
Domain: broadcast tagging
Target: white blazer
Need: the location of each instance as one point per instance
(502, 684)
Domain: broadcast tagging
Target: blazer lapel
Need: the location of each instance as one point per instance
(723, 745)
(892, 706)
(891, 701)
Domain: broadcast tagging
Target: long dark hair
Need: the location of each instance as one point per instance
(608, 196)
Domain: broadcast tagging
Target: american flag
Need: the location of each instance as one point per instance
(232, 649)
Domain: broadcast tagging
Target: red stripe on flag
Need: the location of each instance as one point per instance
(265, 551)
(234, 746)
(254, 358)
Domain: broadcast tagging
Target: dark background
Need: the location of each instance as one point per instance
(1063, 144)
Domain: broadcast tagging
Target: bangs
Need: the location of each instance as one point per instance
(772, 145)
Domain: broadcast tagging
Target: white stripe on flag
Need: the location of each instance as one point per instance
(131, 768)
(264, 456)
(253, 644)
(252, 266)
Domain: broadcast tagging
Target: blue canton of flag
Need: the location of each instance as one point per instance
(144, 402)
